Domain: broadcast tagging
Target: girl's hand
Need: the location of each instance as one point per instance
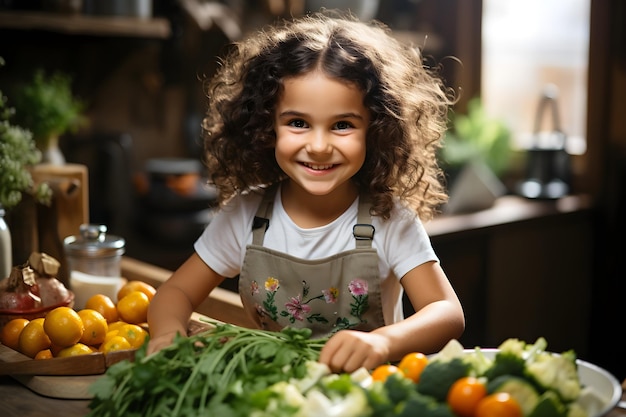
(157, 343)
(349, 350)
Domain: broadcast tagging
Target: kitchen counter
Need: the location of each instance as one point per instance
(17, 400)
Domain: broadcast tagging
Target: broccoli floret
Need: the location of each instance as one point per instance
(549, 405)
(424, 406)
(556, 372)
(399, 388)
(506, 363)
(512, 357)
(515, 347)
(478, 362)
(438, 376)
(520, 389)
(378, 400)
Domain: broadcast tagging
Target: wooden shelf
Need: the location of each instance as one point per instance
(158, 28)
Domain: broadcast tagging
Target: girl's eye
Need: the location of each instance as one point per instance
(343, 125)
(298, 123)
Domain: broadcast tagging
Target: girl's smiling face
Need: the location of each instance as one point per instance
(321, 125)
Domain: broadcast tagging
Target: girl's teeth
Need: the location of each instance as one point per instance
(318, 167)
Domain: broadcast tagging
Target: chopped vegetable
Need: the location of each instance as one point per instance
(549, 405)
(520, 389)
(439, 375)
(232, 371)
(556, 372)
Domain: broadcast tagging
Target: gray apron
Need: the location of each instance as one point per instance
(338, 292)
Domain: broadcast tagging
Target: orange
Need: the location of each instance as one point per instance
(33, 338)
(11, 332)
(131, 286)
(44, 354)
(103, 305)
(110, 334)
(133, 307)
(412, 365)
(113, 344)
(63, 326)
(500, 404)
(74, 350)
(382, 372)
(464, 396)
(116, 325)
(134, 334)
(96, 327)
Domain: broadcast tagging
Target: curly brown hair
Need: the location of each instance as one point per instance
(408, 105)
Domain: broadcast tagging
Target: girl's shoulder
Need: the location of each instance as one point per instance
(245, 204)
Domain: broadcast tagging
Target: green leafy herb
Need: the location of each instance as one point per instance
(205, 374)
(17, 153)
(47, 107)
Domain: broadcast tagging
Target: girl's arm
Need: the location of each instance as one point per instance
(438, 318)
(177, 298)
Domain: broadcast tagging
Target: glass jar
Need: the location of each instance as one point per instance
(94, 261)
(6, 257)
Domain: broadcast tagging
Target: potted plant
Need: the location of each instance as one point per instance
(47, 107)
(476, 153)
(17, 153)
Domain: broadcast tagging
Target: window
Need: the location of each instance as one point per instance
(526, 45)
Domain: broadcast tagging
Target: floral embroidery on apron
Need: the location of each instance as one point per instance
(338, 292)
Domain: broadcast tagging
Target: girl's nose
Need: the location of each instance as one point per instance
(319, 143)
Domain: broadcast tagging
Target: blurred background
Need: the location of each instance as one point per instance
(137, 64)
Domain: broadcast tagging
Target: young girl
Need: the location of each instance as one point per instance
(321, 136)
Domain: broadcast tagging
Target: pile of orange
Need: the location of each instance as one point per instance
(102, 326)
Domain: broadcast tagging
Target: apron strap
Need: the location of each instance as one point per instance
(363, 231)
(262, 218)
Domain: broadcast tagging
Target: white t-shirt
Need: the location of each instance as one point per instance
(401, 242)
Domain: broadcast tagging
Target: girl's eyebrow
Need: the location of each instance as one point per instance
(294, 113)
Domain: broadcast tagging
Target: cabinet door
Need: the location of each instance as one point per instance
(540, 282)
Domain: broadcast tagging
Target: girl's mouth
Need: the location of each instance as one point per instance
(318, 167)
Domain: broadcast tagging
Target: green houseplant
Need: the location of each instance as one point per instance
(476, 153)
(17, 153)
(476, 137)
(47, 107)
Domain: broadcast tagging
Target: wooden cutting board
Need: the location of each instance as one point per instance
(67, 378)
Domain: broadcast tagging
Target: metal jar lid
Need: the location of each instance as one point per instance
(94, 242)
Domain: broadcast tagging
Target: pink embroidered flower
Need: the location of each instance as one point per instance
(271, 284)
(330, 295)
(254, 288)
(296, 309)
(358, 287)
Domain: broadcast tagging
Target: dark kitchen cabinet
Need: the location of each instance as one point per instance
(522, 269)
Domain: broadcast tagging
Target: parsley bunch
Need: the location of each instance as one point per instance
(204, 374)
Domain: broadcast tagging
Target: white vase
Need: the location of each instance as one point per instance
(52, 154)
(6, 257)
